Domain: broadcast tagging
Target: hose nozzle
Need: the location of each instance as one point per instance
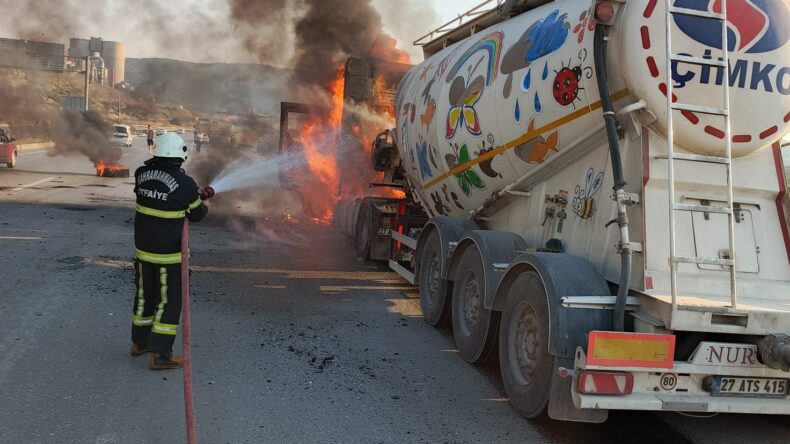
(207, 193)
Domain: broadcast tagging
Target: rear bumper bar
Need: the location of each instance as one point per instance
(682, 403)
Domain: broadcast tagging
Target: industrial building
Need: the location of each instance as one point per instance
(27, 54)
(108, 58)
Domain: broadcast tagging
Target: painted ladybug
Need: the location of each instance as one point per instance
(566, 85)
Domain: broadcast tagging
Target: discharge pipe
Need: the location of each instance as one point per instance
(621, 197)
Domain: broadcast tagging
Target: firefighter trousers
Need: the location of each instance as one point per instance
(157, 306)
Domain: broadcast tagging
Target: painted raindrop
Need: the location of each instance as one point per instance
(545, 71)
(527, 80)
(538, 105)
(518, 111)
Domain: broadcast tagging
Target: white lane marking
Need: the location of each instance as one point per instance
(20, 238)
(39, 182)
(46, 150)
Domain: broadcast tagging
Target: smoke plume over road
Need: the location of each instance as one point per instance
(24, 101)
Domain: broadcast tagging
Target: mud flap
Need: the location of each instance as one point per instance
(561, 406)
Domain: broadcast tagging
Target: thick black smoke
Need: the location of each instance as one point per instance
(83, 132)
(325, 32)
(24, 105)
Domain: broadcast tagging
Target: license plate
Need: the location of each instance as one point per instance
(750, 387)
(383, 232)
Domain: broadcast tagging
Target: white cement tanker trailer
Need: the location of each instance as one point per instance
(618, 234)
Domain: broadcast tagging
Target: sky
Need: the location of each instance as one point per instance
(449, 9)
(198, 26)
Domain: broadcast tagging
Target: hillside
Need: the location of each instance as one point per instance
(210, 88)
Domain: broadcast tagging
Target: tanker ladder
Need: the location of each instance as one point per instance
(727, 259)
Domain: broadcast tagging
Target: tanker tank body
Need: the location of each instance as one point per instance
(543, 150)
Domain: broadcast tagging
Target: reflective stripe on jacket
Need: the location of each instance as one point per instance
(165, 196)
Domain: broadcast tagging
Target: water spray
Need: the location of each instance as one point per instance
(251, 173)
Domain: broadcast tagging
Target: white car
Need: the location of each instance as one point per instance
(160, 131)
(122, 135)
(180, 131)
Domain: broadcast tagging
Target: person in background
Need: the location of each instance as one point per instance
(198, 141)
(150, 136)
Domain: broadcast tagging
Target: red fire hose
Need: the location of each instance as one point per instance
(189, 406)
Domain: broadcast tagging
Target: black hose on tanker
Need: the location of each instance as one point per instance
(619, 180)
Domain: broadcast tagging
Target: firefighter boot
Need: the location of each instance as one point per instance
(138, 350)
(165, 361)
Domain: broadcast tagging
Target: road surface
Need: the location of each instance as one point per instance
(294, 339)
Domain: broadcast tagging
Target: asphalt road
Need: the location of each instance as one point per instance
(294, 339)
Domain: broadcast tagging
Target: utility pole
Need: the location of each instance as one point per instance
(119, 108)
(87, 81)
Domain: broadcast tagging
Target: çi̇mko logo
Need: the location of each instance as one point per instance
(754, 27)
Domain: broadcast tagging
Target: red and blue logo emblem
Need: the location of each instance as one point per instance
(753, 26)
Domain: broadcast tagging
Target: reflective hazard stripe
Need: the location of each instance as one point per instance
(160, 309)
(195, 204)
(159, 259)
(165, 329)
(140, 321)
(162, 214)
(140, 292)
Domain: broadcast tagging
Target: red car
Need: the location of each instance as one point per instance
(8, 149)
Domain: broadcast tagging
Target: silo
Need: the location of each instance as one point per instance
(79, 48)
(114, 55)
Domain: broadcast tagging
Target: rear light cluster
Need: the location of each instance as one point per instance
(605, 383)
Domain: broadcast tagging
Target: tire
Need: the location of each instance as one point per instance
(364, 232)
(524, 359)
(433, 289)
(474, 327)
(12, 163)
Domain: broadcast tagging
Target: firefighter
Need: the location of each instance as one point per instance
(165, 197)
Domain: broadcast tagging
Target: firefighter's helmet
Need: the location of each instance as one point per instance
(170, 145)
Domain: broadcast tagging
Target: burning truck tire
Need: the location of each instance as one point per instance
(109, 166)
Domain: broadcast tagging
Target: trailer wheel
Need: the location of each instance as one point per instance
(433, 289)
(474, 326)
(12, 163)
(524, 359)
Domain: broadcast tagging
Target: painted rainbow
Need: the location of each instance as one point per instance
(492, 44)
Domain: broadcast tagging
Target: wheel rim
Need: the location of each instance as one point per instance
(470, 302)
(431, 277)
(523, 344)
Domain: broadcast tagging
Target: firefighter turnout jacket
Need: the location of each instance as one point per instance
(165, 196)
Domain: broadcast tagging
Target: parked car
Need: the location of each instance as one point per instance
(123, 135)
(160, 131)
(180, 131)
(8, 149)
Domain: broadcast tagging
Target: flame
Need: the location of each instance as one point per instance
(105, 168)
(288, 218)
(319, 136)
(386, 48)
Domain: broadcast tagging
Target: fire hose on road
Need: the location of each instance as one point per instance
(189, 407)
(186, 331)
